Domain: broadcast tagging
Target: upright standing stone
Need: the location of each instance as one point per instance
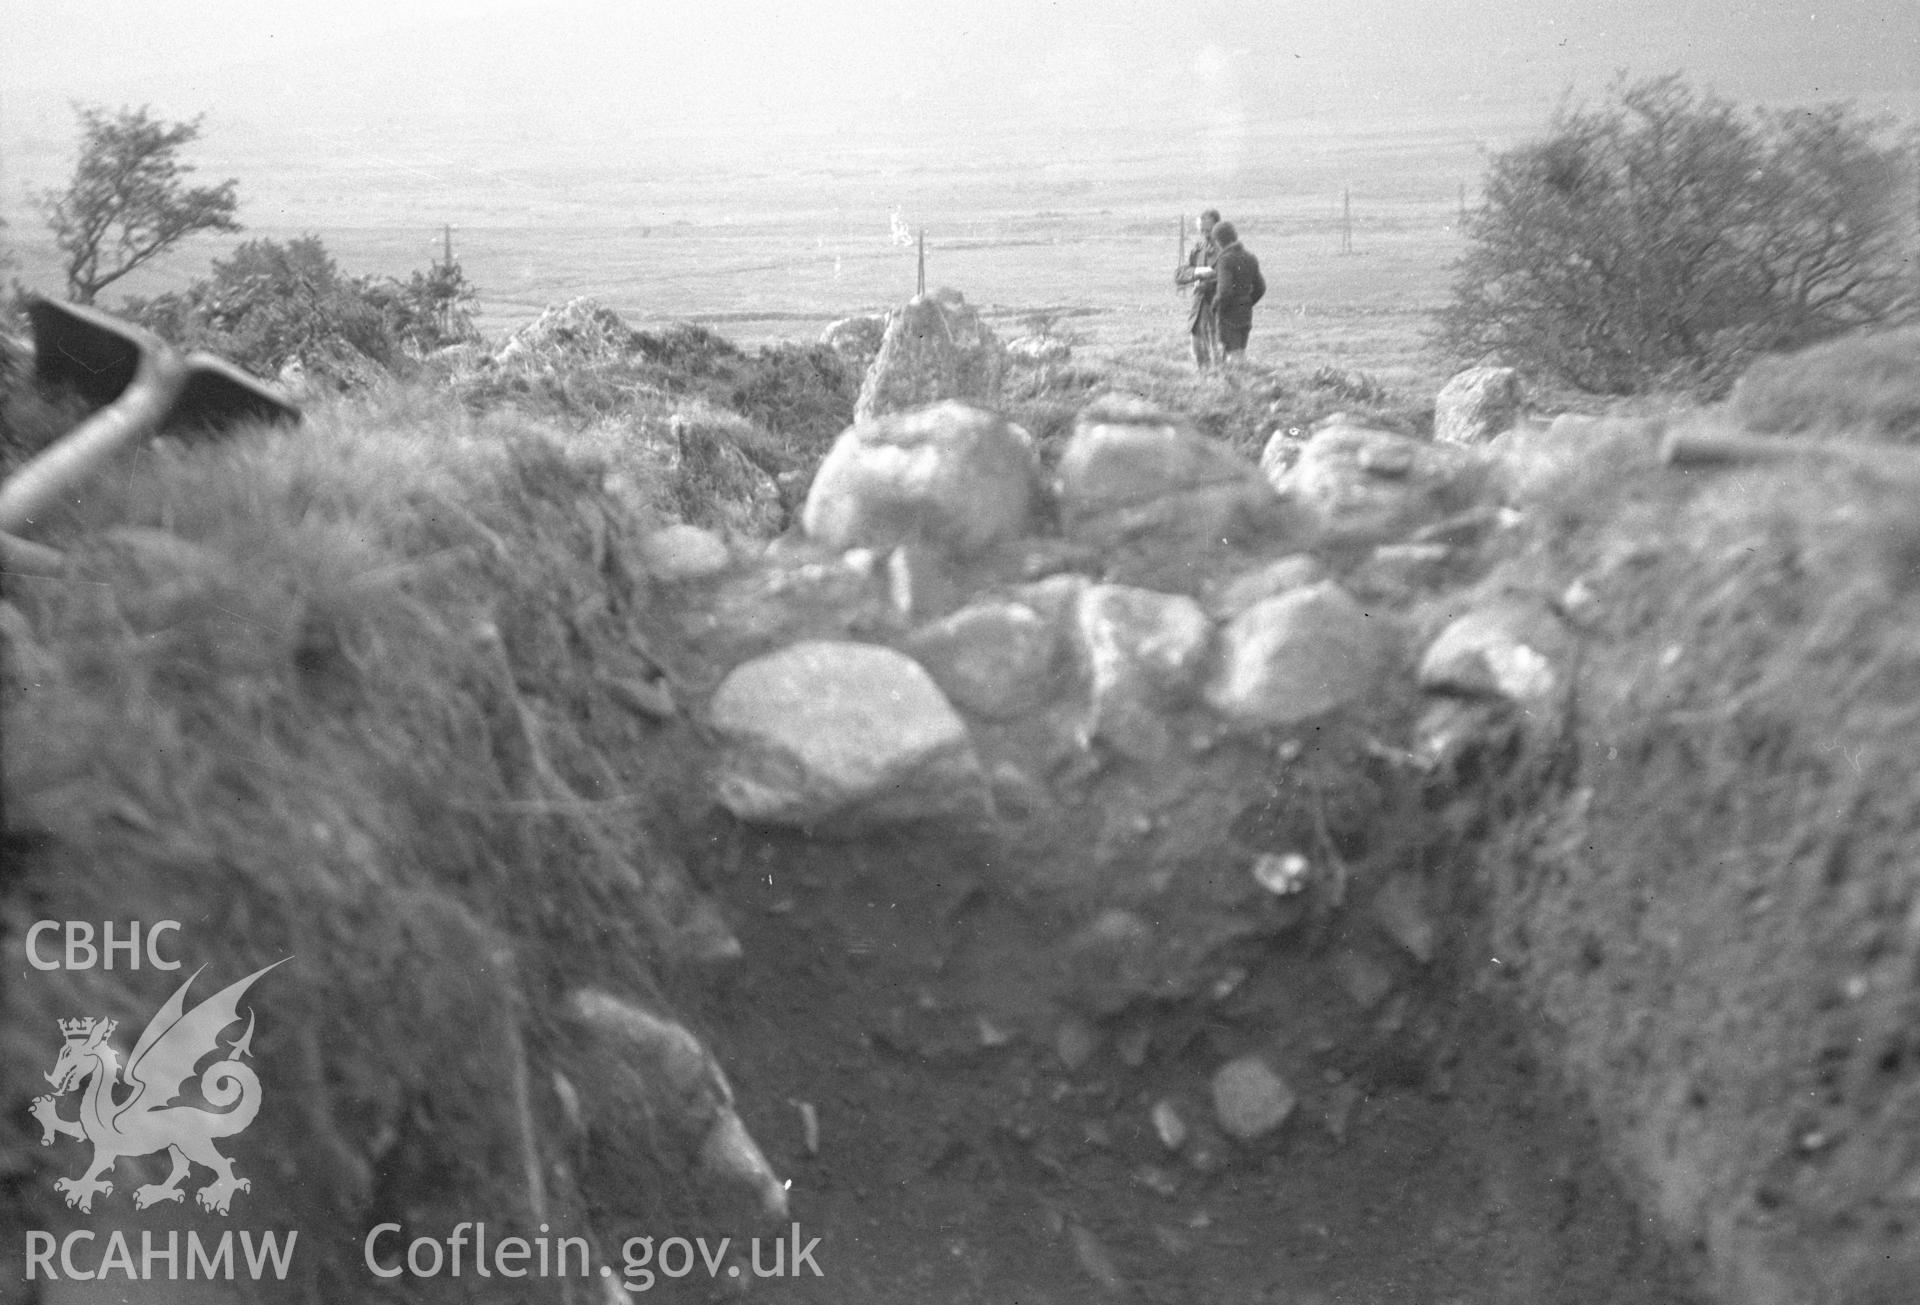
(935, 347)
(1477, 404)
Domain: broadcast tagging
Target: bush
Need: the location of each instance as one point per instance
(582, 361)
(1671, 237)
(272, 304)
(803, 394)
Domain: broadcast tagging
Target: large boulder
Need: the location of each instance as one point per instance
(1143, 651)
(949, 475)
(993, 659)
(580, 330)
(1127, 451)
(1160, 499)
(1514, 648)
(1231, 595)
(1368, 486)
(1477, 404)
(841, 736)
(1291, 658)
(936, 347)
(647, 1084)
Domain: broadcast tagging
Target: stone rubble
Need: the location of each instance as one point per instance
(1163, 685)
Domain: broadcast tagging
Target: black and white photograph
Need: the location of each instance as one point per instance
(886, 652)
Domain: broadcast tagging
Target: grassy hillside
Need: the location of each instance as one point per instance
(348, 694)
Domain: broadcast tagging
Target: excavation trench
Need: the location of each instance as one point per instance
(985, 1089)
(1199, 1000)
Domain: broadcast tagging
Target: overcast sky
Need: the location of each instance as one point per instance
(421, 82)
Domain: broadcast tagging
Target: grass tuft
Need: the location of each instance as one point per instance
(1861, 386)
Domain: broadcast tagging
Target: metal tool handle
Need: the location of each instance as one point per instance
(58, 469)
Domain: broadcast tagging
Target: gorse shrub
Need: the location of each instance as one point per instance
(271, 304)
(800, 396)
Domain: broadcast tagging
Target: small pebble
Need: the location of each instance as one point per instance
(1168, 1126)
(1249, 1099)
(1075, 1042)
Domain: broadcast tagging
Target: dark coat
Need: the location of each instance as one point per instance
(1240, 285)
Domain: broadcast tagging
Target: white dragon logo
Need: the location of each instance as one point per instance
(147, 1120)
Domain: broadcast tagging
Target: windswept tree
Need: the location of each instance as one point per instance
(1670, 236)
(128, 200)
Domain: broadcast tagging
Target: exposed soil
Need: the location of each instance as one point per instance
(898, 990)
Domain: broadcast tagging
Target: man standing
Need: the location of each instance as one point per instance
(1198, 273)
(1238, 287)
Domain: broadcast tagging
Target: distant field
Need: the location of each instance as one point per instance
(1098, 256)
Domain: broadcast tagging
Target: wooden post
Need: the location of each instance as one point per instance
(446, 250)
(921, 282)
(1346, 220)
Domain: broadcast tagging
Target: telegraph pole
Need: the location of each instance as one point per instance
(921, 282)
(1346, 220)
